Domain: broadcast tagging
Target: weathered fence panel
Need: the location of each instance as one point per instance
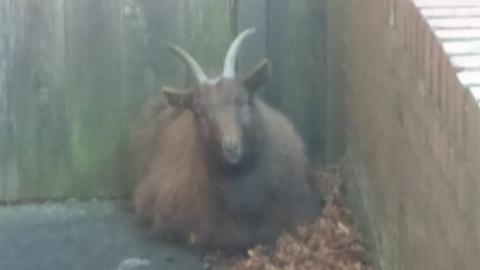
(7, 154)
(73, 75)
(34, 129)
(251, 13)
(296, 46)
(97, 101)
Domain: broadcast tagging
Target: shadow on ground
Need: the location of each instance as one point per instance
(100, 235)
(83, 235)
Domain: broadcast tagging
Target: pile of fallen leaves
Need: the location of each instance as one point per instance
(330, 243)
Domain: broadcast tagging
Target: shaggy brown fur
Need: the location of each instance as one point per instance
(178, 193)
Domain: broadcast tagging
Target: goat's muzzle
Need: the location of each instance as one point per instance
(232, 151)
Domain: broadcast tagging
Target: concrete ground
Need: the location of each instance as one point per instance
(84, 236)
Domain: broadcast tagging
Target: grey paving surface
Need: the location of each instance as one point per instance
(84, 236)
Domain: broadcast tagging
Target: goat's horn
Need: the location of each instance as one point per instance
(231, 58)
(197, 70)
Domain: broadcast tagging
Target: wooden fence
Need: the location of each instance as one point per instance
(73, 75)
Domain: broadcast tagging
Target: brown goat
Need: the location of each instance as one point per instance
(216, 166)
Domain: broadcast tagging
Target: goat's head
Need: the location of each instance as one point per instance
(224, 107)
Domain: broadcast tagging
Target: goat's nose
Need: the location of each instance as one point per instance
(232, 147)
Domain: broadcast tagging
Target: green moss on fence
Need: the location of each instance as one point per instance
(77, 73)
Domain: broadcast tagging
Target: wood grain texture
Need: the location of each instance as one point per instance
(252, 13)
(296, 46)
(73, 75)
(34, 67)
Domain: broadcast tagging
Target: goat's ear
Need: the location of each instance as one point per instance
(258, 76)
(177, 98)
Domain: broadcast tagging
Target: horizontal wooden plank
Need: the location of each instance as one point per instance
(450, 12)
(446, 3)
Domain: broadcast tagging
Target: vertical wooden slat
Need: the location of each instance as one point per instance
(8, 166)
(296, 46)
(96, 99)
(34, 77)
(3, 99)
(208, 32)
(335, 137)
(252, 13)
(163, 24)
